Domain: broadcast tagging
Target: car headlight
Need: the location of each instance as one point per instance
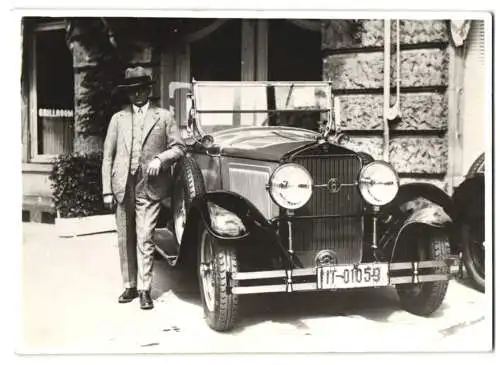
(290, 186)
(378, 183)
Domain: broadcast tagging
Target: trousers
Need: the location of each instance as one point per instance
(136, 219)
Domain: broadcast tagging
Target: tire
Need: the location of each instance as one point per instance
(188, 184)
(423, 299)
(215, 261)
(473, 255)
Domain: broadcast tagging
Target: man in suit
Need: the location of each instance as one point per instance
(141, 144)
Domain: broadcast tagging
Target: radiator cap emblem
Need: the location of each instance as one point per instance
(334, 185)
(325, 257)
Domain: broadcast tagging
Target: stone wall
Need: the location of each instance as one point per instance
(354, 62)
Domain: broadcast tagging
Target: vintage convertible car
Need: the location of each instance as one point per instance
(468, 199)
(261, 206)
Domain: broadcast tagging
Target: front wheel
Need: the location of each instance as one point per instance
(215, 263)
(423, 299)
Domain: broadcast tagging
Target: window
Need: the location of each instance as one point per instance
(51, 95)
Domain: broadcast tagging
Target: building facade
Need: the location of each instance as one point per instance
(435, 137)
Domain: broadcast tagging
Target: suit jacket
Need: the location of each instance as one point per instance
(161, 138)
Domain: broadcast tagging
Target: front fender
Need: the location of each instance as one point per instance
(412, 192)
(227, 216)
(416, 203)
(431, 216)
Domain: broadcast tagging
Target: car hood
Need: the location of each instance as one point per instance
(264, 143)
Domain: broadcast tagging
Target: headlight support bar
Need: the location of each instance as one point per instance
(374, 247)
(290, 213)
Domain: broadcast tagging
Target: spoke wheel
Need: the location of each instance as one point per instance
(207, 274)
(215, 263)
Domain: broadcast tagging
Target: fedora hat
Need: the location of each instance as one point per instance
(135, 77)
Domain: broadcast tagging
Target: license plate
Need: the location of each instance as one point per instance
(353, 276)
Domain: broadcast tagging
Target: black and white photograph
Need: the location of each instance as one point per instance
(260, 182)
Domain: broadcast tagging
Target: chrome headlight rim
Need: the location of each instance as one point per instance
(270, 186)
(361, 184)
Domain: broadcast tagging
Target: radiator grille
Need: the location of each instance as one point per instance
(345, 169)
(344, 234)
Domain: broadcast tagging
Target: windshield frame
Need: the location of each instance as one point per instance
(291, 84)
(196, 112)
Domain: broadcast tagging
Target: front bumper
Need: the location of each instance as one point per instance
(312, 279)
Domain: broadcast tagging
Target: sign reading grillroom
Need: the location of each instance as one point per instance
(64, 113)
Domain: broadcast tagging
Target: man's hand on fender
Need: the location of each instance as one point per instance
(109, 202)
(154, 167)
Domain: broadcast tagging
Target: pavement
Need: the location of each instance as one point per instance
(70, 288)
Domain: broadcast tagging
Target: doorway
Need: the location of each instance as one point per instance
(294, 53)
(217, 57)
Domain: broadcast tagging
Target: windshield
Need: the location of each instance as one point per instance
(223, 105)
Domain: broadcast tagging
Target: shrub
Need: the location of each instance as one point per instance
(76, 185)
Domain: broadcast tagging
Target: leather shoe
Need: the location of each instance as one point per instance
(128, 295)
(145, 299)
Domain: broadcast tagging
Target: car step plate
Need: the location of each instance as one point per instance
(353, 276)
